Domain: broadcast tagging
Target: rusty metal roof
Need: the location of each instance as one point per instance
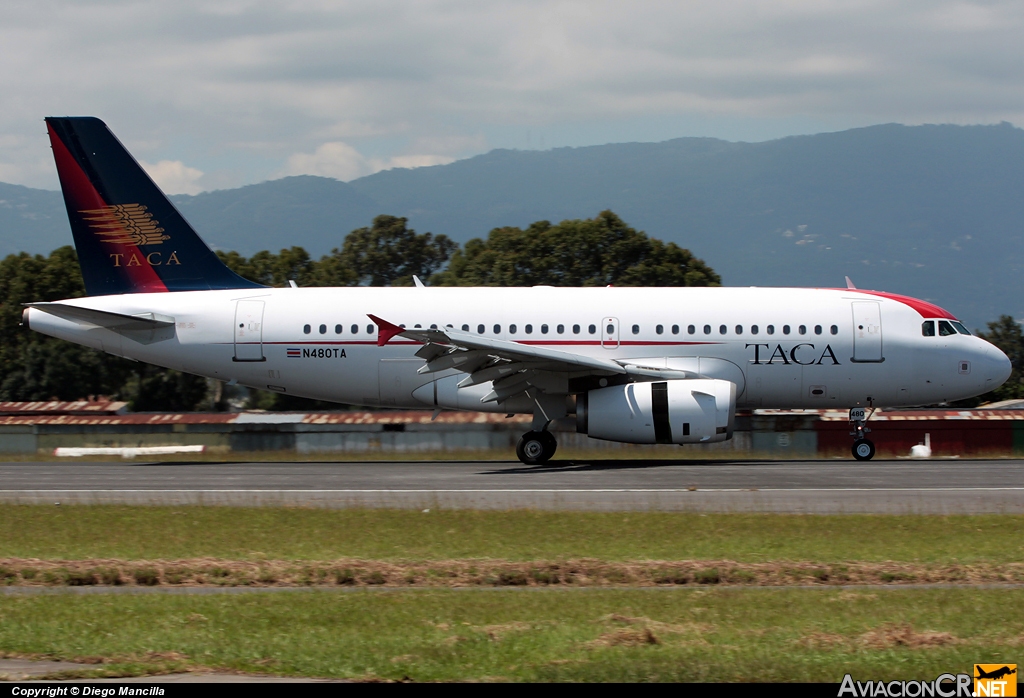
(256, 417)
(927, 415)
(102, 405)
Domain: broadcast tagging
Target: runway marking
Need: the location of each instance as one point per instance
(531, 491)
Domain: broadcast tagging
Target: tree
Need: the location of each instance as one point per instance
(37, 367)
(153, 389)
(595, 252)
(269, 269)
(389, 253)
(1006, 334)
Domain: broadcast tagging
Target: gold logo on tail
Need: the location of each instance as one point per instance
(125, 224)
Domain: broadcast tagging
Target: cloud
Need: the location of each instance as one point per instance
(174, 176)
(342, 161)
(245, 88)
(336, 159)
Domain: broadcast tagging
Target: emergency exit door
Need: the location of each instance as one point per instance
(249, 331)
(610, 333)
(867, 332)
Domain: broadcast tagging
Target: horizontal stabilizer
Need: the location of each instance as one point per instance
(102, 318)
(145, 328)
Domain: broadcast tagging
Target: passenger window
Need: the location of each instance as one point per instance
(690, 329)
(575, 329)
(592, 329)
(707, 329)
(417, 326)
(465, 328)
(834, 329)
(543, 329)
(636, 329)
(337, 329)
(659, 329)
(323, 329)
(610, 329)
(369, 329)
(675, 329)
(802, 329)
(479, 329)
(528, 329)
(754, 329)
(928, 328)
(817, 329)
(945, 329)
(433, 327)
(785, 329)
(961, 329)
(560, 329)
(306, 329)
(770, 329)
(739, 329)
(722, 329)
(497, 329)
(511, 329)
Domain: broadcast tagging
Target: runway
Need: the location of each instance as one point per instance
(827, 486)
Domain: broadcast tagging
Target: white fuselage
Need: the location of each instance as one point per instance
(813, 348)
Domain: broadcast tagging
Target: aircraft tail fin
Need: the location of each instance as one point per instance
(129, 236)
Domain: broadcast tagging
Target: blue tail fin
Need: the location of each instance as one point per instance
(129, 237)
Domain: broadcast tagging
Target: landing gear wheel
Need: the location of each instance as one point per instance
(863, 449)
(536, 447)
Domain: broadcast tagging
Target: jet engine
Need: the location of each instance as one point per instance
(663, 412)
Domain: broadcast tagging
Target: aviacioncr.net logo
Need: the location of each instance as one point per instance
(944, 686)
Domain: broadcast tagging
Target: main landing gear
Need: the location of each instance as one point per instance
(863, 449)
(536, 447)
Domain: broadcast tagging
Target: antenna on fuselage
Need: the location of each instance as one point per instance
(849, 284)
(416, 280)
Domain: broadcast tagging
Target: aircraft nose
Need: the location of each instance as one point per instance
(999, 366)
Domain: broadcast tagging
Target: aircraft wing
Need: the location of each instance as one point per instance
(513, 367)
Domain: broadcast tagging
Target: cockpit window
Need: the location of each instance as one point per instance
(961, 329)
(928, 328)
(945, 329)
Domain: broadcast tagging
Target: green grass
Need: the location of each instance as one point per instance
(144, 532)
(553, 635)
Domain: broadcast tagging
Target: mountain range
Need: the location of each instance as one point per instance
(929, 211)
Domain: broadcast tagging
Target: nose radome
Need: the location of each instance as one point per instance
(999, 366)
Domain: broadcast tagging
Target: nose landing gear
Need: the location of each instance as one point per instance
(863, 449)
(536, 447)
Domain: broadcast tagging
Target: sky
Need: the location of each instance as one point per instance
(212, 95)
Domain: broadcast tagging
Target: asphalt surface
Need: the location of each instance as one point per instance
(829, 486)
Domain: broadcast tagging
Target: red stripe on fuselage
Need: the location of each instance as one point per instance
(82, 195)
(924, 308)
(562, 343)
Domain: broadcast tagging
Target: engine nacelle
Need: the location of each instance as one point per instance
(664, 412)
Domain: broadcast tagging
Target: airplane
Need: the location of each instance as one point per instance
(995, 673)
(633, 365)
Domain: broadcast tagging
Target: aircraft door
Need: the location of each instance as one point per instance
(249, 331)
(610, 333)
(867, 332)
